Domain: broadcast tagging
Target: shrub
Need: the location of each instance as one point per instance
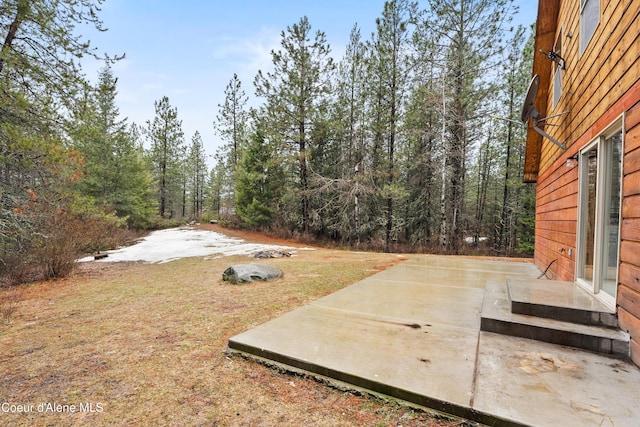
(64, 237)
(9, 300)
(14, 267)
(230, 221)
(67, 233)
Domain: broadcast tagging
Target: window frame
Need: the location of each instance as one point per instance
(557, 74)
(583, 39)
(602, 146)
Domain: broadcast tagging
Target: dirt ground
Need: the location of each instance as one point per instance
(144, 344)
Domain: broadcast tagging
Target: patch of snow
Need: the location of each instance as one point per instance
(175, 243)
(471, 239)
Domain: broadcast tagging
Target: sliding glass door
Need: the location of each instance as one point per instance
(600, 178)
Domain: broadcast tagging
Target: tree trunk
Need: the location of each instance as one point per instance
(444, 232)
(391, 172)
(163, 189)
(304, 185)
(23, 8)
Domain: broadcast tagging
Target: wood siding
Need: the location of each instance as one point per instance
(599, 87)
(629, 274)
(592, 82)
(557, 221)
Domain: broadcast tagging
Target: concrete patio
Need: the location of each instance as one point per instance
(413, 332)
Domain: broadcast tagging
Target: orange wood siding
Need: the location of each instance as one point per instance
(556, 221)
(629, 274)
(557, 216)
(593, 81)
(598, 87)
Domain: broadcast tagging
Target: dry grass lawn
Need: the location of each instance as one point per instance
(144, 344)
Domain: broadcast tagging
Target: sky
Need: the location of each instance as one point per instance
(188, 50)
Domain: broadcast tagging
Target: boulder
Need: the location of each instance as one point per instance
(270, 254)
(245, 273)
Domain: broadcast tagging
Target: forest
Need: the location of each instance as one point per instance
(408, 142)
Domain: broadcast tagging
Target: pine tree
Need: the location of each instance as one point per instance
(216, 187)
(515, 81)
(40, 81)
(422, 128)
(259, 183)
(231, 124)
(115, 173)
(41, 51)
(523, 205)
(425, 160)
(296, 93)
(198, 174)
(167, 155)
(135, 197)
(468, 32)
(340, 188)
(231, 121)
(391, 68)
(351, 103)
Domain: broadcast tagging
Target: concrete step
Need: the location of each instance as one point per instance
(558, 300)
(497, 317)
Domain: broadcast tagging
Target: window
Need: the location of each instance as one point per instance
(600, 184)
(589, 20)
(557, 76)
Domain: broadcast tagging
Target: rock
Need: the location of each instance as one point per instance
(270, 254)
(245, 273)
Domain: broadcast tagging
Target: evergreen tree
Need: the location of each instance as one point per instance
(135, 196)
(198, 172)
(216, 187)
(522, 210)
(350, 108)
(40, 80)
(422, 129)
(167, 156)
(41, 51)
(115, 172)
(350, 117)
(296, 94)
(425, 156)
(515, 79)
(468, 32)
(259, 183)
(337, 146)
(231, 122)
(391, 67)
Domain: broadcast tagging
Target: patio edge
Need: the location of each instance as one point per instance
(353, 382)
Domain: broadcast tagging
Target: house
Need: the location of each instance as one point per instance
(587, 166)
